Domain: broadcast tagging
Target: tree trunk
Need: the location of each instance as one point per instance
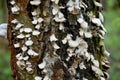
(104, 2)
(3, 11)
(57, 40)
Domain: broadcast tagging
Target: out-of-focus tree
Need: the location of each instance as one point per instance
(117, 3)
(3, 10)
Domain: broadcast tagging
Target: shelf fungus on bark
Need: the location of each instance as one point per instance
(73, 7)
(27, 30)
(20, 36)
(85, 78)
(24, 48)
(98, 4)
(14, 21)
(15, 9)
(101, 17)
(38, 78)
(53, 38)
(82, 66)
(32, 53)
(21, 64)
(83, 23)
(35, 2)
(29, 70)
(59, 18)
(28, 42)
(17, 45)
(12, 2)
(35, 33)
(55, 46)
(18, 26)
(42, 65)
(55, 1)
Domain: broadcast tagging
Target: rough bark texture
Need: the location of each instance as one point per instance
(66, 41)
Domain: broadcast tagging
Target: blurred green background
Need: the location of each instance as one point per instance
(112, 23)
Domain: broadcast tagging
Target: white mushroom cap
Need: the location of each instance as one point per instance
(80, 20)
(34, 21)
(42, 65)
(87, 55)
(59, 18)
(96, 21)
(12, 2)
(27, 35)
(101, 17)
(64, 41)
(106, 53)
(88, 34)
(84, 78)
(46, 77)
(24, 48)
(28, 63)
(40, 20)
(21, 30)
(98, 4)
(61, 26)
(20, 36)
(55, 10)
(55, 46)
(70, 5)
(97, 70)
(82, 66)
(84, 25)
(19, 56)
(14, 21)
(15, 9)
(32, 52)
(56, 1)
(60, 15)
(53, 38)
(29, 70)
(34, 13)
(95, 62)
(19, 25)
(74, 43)
(21, 64)
(38, 78)
(37, 26)
(17, 45)
(28, 42)
(35, 2)
(35, 33)
(102, 78)
(27, 30)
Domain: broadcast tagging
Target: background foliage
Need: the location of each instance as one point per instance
(112, 24)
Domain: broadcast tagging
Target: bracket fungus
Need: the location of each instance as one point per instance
(35, 2)
(42, 65)
(15, 9)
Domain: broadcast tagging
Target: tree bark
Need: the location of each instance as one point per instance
(53, 40)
